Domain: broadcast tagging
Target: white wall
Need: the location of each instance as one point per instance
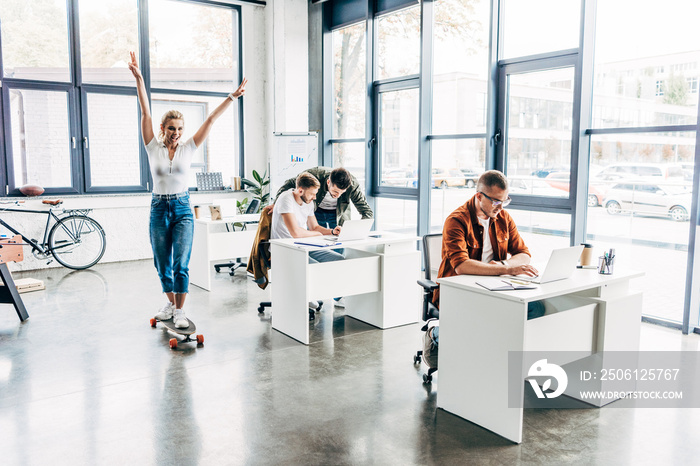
(276, 100)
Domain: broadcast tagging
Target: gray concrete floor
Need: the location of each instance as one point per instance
(86, 380)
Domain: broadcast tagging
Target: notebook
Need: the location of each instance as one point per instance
(499, 284)
(352, 230)
(561, 265)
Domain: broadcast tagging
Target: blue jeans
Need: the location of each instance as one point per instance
(327, 219)
(171, 230)
(325, 255)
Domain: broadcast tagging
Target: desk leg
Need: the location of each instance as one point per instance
(399, 300)
(290, 313)
(11, 295)
(476, 333)
(200, 272)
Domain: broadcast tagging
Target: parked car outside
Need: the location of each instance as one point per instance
(652, 171)
(471, 176)
(396, 178)
(545, 172)
(596, 191)
(649, 199)
(443, 178)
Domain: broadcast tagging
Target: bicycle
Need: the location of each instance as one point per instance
(75, 239)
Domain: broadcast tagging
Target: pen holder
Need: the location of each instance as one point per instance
(606, 265)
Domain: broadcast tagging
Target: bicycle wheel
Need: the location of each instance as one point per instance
(77, 242)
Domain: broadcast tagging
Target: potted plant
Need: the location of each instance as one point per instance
(258, 187)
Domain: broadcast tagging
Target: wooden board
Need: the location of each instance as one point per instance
(11, 249)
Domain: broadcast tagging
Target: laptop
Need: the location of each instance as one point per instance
(561, 265)
(352, 230)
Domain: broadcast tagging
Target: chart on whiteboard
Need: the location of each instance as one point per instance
(293, 155)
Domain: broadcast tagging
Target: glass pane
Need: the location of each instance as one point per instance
(35, 40)
(538, 133)
(457, 165)
(113, 161)
(108, 32)
(643, 183)
(398, 137)
(349, 78)
(540, 26)
(41, 137)
(351, 155)
(647, 79)
(193, 46)
(397, 215)
(219, 153)
(398, 43)
(542, 232)
(460, 66)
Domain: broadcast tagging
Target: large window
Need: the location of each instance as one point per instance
(539, 26)
(590, 108)
(538, 131)
(459, 104)
(643, 176)
(35, 40)
(349, 98)
(70, 113)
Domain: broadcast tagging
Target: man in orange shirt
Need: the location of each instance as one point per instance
(480, 238)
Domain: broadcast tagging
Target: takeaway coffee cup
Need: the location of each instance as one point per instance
(586, 254)
(196, 211)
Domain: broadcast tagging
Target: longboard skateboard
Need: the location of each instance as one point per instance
(187, 331)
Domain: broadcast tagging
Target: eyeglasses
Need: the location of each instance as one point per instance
(496, 202)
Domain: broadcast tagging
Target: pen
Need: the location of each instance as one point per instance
(519, 282)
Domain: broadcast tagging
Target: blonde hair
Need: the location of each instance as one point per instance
(169, 115)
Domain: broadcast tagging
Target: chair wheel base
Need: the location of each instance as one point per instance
(417, 357)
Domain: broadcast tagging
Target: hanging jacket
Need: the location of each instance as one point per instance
(259, 259)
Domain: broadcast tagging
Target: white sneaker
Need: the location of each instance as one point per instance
(313, 305)
(166, 313)
(179, 319)
(339, 302)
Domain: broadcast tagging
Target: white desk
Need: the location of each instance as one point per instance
(212, 242)
(479, 327)
(377, 278)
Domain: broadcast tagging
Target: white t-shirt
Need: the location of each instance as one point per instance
(487, 251)
(287, 204)
(170, 177)
(328, 202)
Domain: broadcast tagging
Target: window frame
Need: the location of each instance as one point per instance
(77, 101)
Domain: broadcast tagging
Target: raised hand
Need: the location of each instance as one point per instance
(134, 66)
(241, 89)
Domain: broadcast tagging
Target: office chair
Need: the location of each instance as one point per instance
(238, 263)
(432, 256)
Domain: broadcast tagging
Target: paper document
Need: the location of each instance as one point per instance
(500, 284)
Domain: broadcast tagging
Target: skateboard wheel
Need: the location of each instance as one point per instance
(200, 339)
(153, 322)
(173, 343)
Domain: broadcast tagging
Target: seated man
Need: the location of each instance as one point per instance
(478, 237)
(337, 188)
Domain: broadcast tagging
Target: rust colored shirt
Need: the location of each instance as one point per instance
(463, 239)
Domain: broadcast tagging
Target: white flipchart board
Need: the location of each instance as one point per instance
(293, 153)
